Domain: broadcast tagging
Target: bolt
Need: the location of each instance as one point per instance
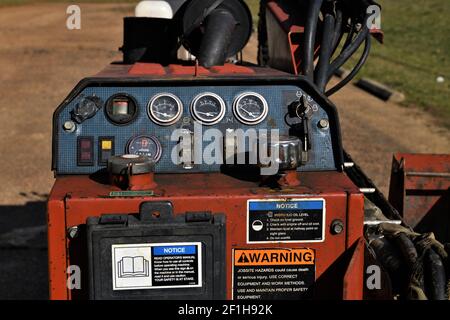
(72, 232)
(349, 164)
(337, 227)
(188, 166)
(69, 126)
(324, 124)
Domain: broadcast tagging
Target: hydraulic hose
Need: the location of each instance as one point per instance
(337, 29)
(356, 69)
(387, 255)
(407, 249)
(350, 49)
(310, 37)
(435, 280)
(326, 49)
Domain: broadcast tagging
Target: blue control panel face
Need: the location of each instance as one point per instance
(103, 121)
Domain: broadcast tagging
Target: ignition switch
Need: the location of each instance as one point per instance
(302, 110)
(86, 108)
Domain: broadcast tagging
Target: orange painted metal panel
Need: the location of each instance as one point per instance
(205, 192)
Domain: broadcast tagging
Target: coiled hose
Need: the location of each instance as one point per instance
(417, 264)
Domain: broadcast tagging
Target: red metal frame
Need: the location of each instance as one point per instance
(75, 198)
(419, 190)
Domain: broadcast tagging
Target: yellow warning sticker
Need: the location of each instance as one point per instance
(273, 257)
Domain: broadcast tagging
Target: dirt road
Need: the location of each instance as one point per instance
(41, 61)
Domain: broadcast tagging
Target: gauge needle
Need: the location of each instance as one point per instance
(163, 114)
(248, 112)
(208, 114)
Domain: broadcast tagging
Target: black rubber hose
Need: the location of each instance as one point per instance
(350, 49)
(310, 38)
(387, 255)
(263, 49)
(337, 29)
(355, 70)
(435, 281)
(219, 28)
(407, 249)
(326, 49)
(349, 38)
(391, 260)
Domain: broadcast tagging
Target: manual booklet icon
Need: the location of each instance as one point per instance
(133, 267)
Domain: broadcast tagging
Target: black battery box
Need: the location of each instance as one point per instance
(157, 255)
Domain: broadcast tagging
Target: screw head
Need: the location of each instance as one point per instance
(72, 232)
(69, 126)
(324, 124)
(337, 227)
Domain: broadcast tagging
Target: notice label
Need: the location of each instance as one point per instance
(268, 274)
(291, 220)
(156, 265)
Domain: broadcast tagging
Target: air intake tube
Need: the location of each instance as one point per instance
(219, 28)
(214, 30)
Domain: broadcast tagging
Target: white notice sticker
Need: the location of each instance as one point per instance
(156, 265)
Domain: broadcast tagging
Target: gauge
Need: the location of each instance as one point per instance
(165, 109)
(208, 108)
(250, 108)
(121, 109)
(145, 145)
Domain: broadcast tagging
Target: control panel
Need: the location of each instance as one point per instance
(99, 121)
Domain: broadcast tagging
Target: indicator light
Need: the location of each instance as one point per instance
(106, 145)
(85, 151)
(105, 150)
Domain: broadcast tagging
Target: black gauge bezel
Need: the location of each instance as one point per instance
(155, 119)
(198, 118)
(108, 107)
(148, 136)
(241, 118)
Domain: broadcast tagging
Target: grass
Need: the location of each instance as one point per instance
(416, 50)
(254, 7)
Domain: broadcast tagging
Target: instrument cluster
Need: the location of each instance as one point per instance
(100, 121)
(207, 108)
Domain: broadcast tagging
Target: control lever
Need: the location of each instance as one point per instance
(302, 110)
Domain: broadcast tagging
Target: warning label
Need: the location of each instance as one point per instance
(175, 266)
(156, 265)
(273, 273)
(293, 220)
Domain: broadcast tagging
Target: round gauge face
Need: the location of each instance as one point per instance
(165, 109)
(121, 109)
(145, 146)
(250, 108)
(208, 108)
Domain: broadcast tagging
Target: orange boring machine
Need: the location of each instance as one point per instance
(186, 172)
